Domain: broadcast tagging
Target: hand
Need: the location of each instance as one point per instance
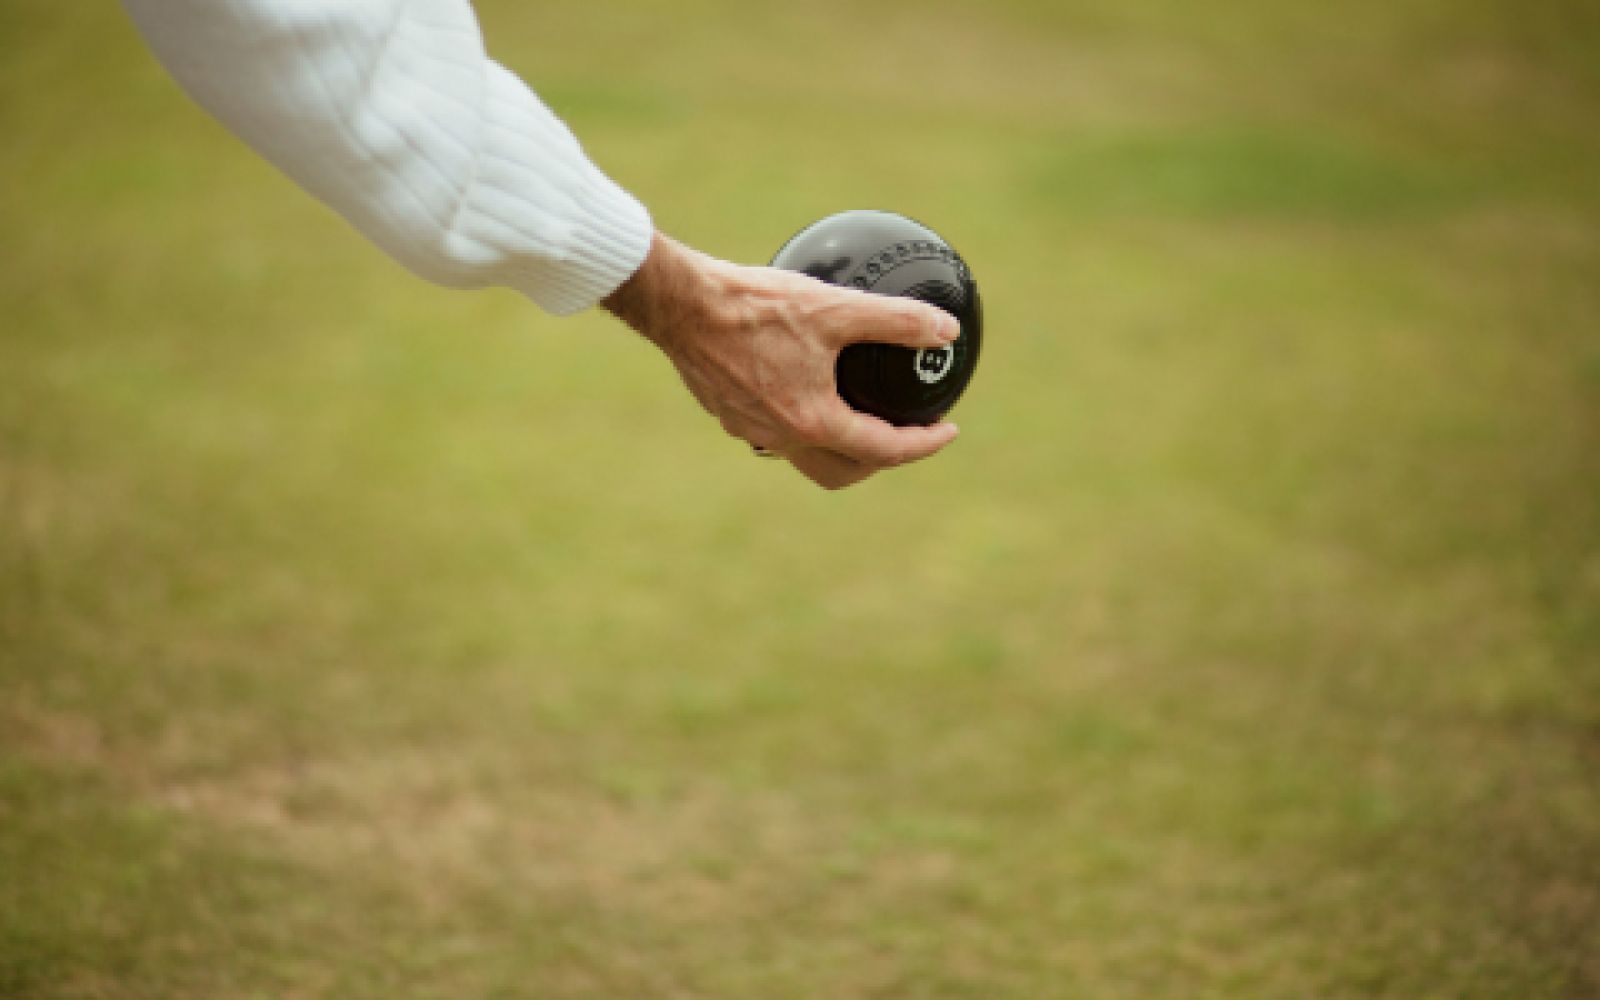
(757, 347)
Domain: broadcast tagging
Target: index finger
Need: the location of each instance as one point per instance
(888, 319)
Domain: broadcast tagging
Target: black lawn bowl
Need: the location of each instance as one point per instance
(889, 254)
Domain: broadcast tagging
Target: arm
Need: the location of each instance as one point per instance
(391, 113)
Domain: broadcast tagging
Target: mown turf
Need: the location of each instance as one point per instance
(359, 638)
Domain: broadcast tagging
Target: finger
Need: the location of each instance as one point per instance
(879, 443)
(886, 319)
(826, 469)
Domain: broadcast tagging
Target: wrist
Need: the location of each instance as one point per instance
(672, 292)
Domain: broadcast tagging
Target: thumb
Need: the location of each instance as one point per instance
(888, 319)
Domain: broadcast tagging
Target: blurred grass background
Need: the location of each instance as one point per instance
(360, 638)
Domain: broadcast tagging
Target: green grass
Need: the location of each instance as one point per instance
(360, 638)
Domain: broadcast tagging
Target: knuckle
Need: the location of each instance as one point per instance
(900, 454)
(808, 425)
(884, 454)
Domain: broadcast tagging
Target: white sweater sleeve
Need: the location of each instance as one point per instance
(391, 112)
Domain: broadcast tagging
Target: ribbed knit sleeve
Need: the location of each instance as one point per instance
(391, 112)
